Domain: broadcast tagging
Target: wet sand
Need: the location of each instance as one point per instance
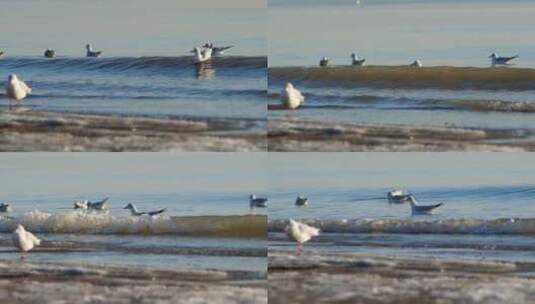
(70, 283)
(293, 134)
(364, 278)
(49, 131)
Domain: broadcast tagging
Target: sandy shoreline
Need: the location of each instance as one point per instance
(365, 278)
(50, 131)
(294, 134)
(71, 283)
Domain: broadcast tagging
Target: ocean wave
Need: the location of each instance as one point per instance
(413, 226)
(132, 63)
(80, 222)
(405, 77)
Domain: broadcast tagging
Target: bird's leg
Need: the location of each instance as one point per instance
(9, 106)
(299, 249)
(23, 256)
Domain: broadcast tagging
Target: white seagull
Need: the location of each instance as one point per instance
(291, 97)
(135, 212)
(398, 196)
(90, 52)
(216, 50)
(301, 201)
(324, 62)
(301, 233)
(258, 202)
(416, 64)
(496, 60)
(24, 240)
(5, 207)
(356, 61)
(87, 205)
(421, 209)
(202, 55)
(16, 89)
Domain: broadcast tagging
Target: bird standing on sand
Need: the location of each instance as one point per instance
(202, 55)
(50, 53)
(421, 209)
(301, 201)
(90, 52)
(258, 202)
(24, 240)
(291, 97)
(301, 233)
(398, 196)
(416, 64)
(16, 89)
(356, 61)
(135, 212)
(5, 207)
(324, 62)
(496, 60)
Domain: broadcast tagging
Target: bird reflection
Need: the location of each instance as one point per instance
(204, 70)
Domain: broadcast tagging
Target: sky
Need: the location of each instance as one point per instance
(131, 28)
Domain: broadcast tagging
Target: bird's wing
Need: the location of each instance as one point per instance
(25, 87)
(33, 238)
(308, 229)
(157, 211)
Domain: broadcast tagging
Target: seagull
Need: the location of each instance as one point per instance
(291, 97)
(5, 207)
(421, 209)
(202, 55)
(90, 52)
(24, 240)
(16, 89)
(324, 62)
(416, 64)
(398, 196)
(2, 54)
(50, 53)
(301, 201)
(87, 205)
(356, 61)
(135, 212)
(258, 202)
(500, 60)
(301, 233)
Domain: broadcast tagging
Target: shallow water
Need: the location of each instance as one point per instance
(207, 224)
(387, 91)
(488, 209)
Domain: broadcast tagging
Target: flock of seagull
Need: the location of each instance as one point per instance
(291, 98)
(302, 233)
(17, 89)
(356, 61)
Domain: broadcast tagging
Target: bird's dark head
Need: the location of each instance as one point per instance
(129, 206)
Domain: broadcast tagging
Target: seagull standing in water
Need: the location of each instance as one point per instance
(291, 97)
(96, 206)
(301, 233)
(16, 89)
(301, 201)
(356, 61)
(202, 55)
(416, 64)
(90, 52)
(421, 209)
(135, 212)
(24, 240)
(324, 62)
(5, 207)
(258, 202)
(496, 60)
